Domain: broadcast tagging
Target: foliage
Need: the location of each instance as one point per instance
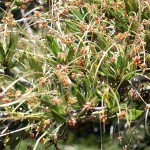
(63, 63)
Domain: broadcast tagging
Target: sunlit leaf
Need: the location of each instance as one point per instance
(134, 114)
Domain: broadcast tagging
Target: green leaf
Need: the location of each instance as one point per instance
(128, 6)
(80, 97)
(18, 2)
(11, 47)
(110, 102)
(70, 54)
(119, 62)
(13, 41)
(52, 44)
(14, 139)
(147, 40)
(35, 64)
(135, 5)
(84, 12)
(52, 62)
(134, 26)
(12, 64)
(86, 85)
(19, 86)
(2, 53)
(107, 71)
(72, 26)
(57, 116)
(134, 114)
(77, 14)
(131, 5)
(45, 99)
(102, 41)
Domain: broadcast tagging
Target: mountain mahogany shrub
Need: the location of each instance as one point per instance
(78, 65)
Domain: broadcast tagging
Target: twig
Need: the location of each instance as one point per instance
(16, 130)
(38, 140)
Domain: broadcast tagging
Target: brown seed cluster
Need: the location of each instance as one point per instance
(147, 106)
(65, 80)
(84, 50)
(103, 117)
(86, 27)
(72, 122)
(122, 114)
(9, 20)
(62, 55)
(32, 101)
(81, 61)
(37, 14)
(8, 4)
(5, 100)
(87, 105)
(23, 6)
(122, 36)
(44, 24)
(55, 100)
(43, 81)
(135, 51)
(137, 60)
(72, 100)
(67, 38)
